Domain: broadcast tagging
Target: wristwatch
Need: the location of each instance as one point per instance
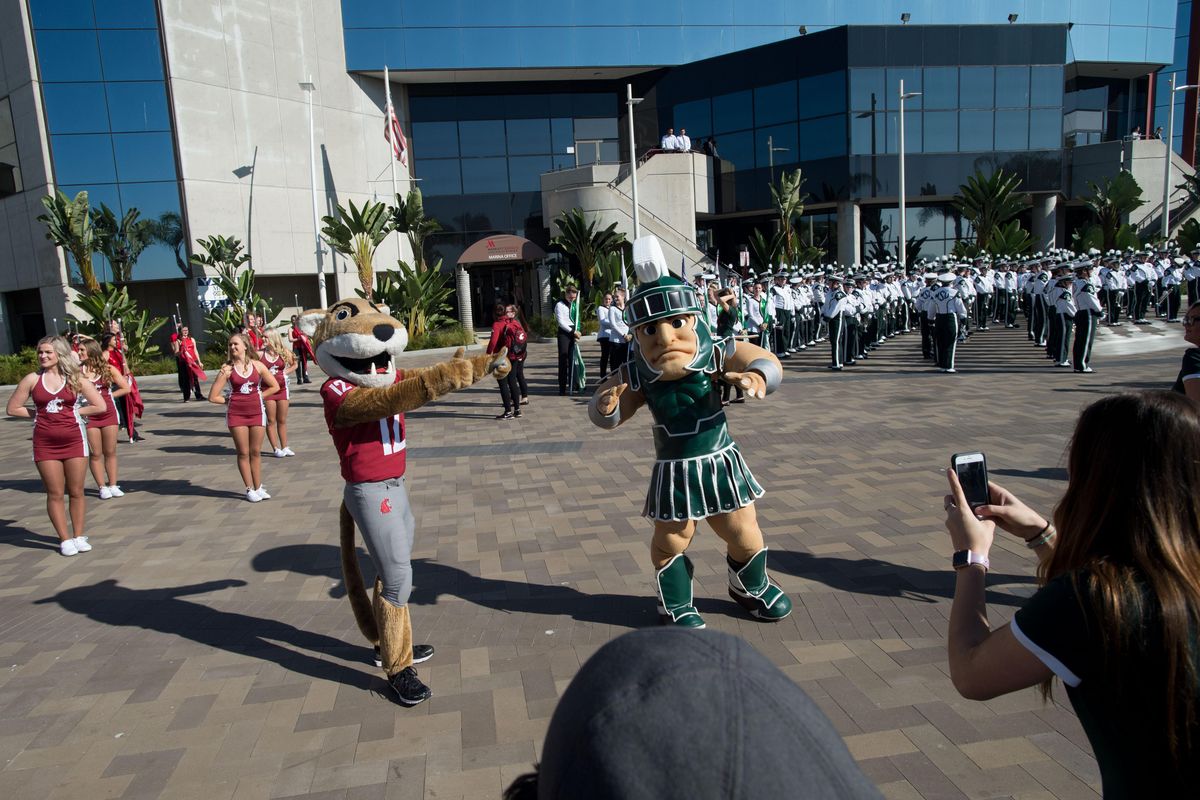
(965, 558)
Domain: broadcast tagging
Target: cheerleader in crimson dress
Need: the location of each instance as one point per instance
(62, 399)
(302, 349)
(130, 406)
(250, 383)
(187, 359)
(280, 364)
(102, 428)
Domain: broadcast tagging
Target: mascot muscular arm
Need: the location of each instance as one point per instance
(365, 399)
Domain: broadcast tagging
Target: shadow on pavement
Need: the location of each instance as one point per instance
(18, 536)
(164, 611)
(431, 580)
(883, 579)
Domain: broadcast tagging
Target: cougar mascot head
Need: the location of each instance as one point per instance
(365, 398)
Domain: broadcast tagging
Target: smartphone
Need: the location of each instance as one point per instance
(971, 469)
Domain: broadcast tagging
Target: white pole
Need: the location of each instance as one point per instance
(312, 166)
(387, 88)
(1166, 215)
(903, 241)
(637, 227)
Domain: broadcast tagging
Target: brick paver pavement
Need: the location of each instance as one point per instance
(204, 648)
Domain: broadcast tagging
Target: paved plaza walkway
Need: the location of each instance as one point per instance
(204, 648)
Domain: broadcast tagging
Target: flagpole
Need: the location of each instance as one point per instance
(391, 111)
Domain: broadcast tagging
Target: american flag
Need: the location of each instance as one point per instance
(392, 132)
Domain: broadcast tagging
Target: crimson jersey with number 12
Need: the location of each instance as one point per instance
(368, 451)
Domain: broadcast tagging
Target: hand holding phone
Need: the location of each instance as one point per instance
(971, 470)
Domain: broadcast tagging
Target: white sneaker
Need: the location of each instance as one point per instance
(105, 493)
(81, 544)
(253, 496)
(115, 491)
(262, 493)
(287, 451)
(68, 547)
(279, 453)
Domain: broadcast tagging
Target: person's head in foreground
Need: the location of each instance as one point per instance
(1118, 612)
(664, 713)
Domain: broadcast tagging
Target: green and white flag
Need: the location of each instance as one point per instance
(578, 370)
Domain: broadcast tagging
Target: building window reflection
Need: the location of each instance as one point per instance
(10, 165)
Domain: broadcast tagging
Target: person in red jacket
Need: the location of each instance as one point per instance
(507, 331)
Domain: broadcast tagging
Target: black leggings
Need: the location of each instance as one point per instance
(513, 383)
(606, 349)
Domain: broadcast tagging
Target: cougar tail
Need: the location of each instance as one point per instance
(355, 589)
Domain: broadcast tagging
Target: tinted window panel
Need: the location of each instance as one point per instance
(137, 107)
(126, 14)
(525, 172)
(866, 89)
(775, 103)
(737, 148)
(975, 131)
(68, 56)
(484, 175)
(144, 156)
(732, 112)
(977, 87)
(527, 136)
(912, 83)
(61, 13)
(83, 159)
(862, 128)
(562, 135)
(1012, 129)
(1045, 129)
(912, 131)
(435, 139)
(822, 94)
(602, 128)
(130, 55)
(75, 107)
(481, 137)
(823, 138)
(940, 134)
(1012, 87)
(696, 116)
(439, 176)
(1046, 86)
(941, 87)
(783, 139)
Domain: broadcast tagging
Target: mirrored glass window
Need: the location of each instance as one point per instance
(975, 131)
(775, 104)
(528, 136)
(977, 87)
(940, 134)
(10, 165)
(84, 158)
(867, 133)
(126, 14)
(912, 131)
(737, 148)
(610, 151)
(130, 55)
(1012, 87)
(525, 172)
(138, 106)
(144, 156)
(732, 112)
(439, 176)
(484, 175)
(912, 83)
(75, 107)
(68, 56)
(598, 128)
(696, 116)
(434, 139)
(824, 137)
(822, 94)
(940, 87)
(484, 137)
(1012, 129)
(867, 90)
(784, 141)
(62, 13)
(1046, 86)
(562, 135)
(1045, 129)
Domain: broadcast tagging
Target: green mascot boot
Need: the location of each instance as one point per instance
(754, 591)
(674, 583)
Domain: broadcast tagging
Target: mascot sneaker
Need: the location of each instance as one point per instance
(674, 583)
(421, 654)
(408, 687)
(750, 587)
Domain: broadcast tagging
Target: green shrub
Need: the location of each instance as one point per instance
(452, 336)
(153, 366)
(17, 366)
(591, 326)
(212, 359)
(544, 327)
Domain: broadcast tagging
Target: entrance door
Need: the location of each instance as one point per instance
(490, 285)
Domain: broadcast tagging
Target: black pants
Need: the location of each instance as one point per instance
(926, 336)
(606, 348)
(837, 341)
(301, 365)
(1192, 290)
(513, 386)
(1040, 321)
(1085, 334)
(945, 337)
(1141, 300)
(1173, 303)
(852, 334)
(565, 342)
(620, 354)
(188, 382)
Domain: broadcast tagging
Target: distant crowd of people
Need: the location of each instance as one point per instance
(682, 143)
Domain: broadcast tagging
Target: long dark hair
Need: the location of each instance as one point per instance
(1130, 521)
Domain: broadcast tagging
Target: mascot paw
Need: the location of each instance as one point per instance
(498, 364)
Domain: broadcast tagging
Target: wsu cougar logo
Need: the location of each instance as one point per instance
(246, 388)
(54, 406)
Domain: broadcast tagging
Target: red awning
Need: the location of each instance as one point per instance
(504, 247)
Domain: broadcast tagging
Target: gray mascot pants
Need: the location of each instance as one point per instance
(385, 520)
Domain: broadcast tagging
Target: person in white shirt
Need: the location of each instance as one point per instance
(1087, 311)
(670, 141)
(683, 142)
(618, 330)
(567, 335)
(605, 334)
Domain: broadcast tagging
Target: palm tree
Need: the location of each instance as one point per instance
(168, 230)
(1112, 203)
(122, 240)
(222, 253)
(580, 238)
(764, 252)
(789, 205)
(1010, 239)
(69, 225)
(408, 217)
(989, 202)
(356, 233)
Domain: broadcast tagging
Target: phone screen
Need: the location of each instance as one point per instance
(972, 474)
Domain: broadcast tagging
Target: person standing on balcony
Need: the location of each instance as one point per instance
(684, 142)
(670, 142)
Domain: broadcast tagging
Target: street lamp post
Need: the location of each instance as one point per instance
(630, 102)
(903, 244)
(771, 151)
(309, 88)
(1166, 215)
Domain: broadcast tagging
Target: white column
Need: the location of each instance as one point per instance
(463, 284)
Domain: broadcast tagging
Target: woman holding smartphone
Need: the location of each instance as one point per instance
(250, 383)
(1118, 612)
(62, 399)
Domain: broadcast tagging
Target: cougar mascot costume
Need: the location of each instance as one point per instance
(699, 473)
(365, 399)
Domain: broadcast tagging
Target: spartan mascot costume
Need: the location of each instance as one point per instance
(699, 473)
(365, 399)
